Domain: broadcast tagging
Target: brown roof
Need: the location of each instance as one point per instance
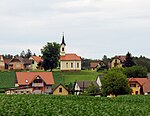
(70, 57)
(25, 78)
(7, 61)
(23, 60)
(94, 64)
(37, 59)
(122, 58)
(85, 84)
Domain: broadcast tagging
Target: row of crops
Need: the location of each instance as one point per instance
(46, 105)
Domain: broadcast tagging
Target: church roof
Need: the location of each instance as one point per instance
(70, 57)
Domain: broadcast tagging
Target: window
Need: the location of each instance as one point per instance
(60, 90)
(132, 85)
(62, 49)
(66, 65)
(77, 65)
(71, 65)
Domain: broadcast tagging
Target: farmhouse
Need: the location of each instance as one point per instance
(97, 64)
(69, 62)
(81, 86)
(139, 85)
(40, 82)
(36, 60)
(2, 64)
(60, 89)
(19, 63)
(117, 61)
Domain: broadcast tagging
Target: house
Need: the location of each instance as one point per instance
(69, 62)
(36, 60)
(19, 63)
(60, 89)
(139, 85)
(117, 61)
(40, 82)
(2, 64)
(97, 64)
(81, 86)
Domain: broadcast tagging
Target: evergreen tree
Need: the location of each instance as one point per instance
(28, 54)
(129, 60)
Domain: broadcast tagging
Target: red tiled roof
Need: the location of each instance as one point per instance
(144, 82)
(141, 81)
(25, 78)
(70, 57)
(37, 59)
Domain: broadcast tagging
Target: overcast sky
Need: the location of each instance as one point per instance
(92, 28)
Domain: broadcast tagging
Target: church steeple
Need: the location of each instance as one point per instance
(63, 45)
(63, 40)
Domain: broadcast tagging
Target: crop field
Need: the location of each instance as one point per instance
(48, 105)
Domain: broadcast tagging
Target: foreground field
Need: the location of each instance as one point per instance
(46, 105)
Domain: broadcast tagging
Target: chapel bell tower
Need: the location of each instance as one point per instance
(63, 47)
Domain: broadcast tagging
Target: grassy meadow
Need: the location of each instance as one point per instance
(49, 105)
(7, 78)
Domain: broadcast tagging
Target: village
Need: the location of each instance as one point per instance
(30, 77)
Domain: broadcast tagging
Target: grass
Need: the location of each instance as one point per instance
(49, 105)
(67, 77)
(7, 79)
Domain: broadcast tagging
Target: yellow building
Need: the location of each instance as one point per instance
(60, 90)
(69, 62)
(117, 61)
(139, 85)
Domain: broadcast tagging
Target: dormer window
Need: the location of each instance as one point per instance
(27, 81)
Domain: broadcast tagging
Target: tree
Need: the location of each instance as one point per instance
(105, 60)
(93, 89)
(129, 60)
(115, 83)
(22, 54)
(135, 71)
(28, 54)
(50, 55)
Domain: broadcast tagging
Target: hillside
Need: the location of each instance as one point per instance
(7, 79)
(67, 77)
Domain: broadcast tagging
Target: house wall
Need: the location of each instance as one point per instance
(64, 91)
(33, 65)
(15, 65)
(119, 64)
(19, 91)
(135, 90)
(48, 88)
(77, 89)
(2, 64)
(66, 65)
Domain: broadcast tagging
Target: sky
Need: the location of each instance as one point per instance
(92, 28)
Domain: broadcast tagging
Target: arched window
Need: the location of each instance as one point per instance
(63, 49)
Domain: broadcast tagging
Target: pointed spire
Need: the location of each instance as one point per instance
(63, 40)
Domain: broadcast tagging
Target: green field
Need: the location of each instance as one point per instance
(7, 79)
(47, 105)
(67, 77)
